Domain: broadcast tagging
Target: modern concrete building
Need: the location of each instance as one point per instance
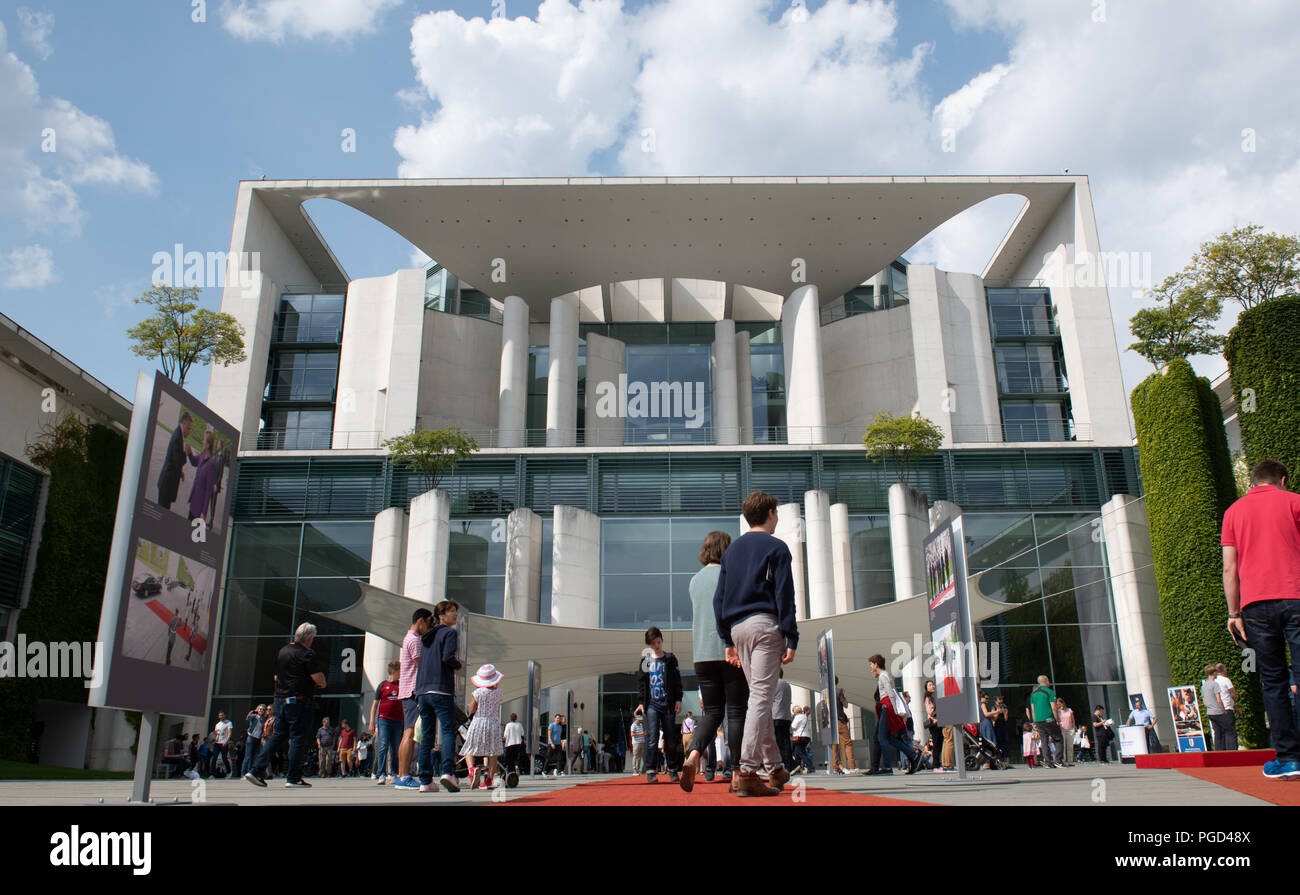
(634, 356)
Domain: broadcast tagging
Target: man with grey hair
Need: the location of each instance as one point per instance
(296, 678)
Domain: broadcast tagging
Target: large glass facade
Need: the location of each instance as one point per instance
(1030, 524)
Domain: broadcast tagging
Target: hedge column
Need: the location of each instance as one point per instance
(1265, 367)
(1188, 480)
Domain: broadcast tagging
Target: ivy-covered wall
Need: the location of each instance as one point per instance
(1183, 453)
(1263, 354)
(85, 467)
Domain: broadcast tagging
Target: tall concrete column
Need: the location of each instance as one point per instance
(744, 389)
(842, 558)
(427, 540)
(562, 378)
(523, 586)
(387, 570)
(805, 388)
(575, 568)
(1137, 604)
(512, 406)
(789, 528)
(821, 575)
(726, 411)
(606, 362)
(575, 602)
(908, 526)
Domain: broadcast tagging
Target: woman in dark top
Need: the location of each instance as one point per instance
(932, 717)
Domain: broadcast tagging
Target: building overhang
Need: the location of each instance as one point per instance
(546, 237)
(567, 654)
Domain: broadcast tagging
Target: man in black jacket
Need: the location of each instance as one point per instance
(659, 681)
(173, 468)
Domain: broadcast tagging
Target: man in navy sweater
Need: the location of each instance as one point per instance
(754, 608)
(435, 688)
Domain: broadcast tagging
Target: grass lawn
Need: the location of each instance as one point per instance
(21, 770)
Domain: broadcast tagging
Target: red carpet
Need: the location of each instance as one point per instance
(184, 632)
(1252, 758)
(1251, 782)
(635, 791)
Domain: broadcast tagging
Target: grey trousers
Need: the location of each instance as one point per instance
(760, 644)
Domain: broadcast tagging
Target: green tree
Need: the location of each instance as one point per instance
(1180, 325)
(431, 453)
(1247, 266)
(182, 335)
(901, 439)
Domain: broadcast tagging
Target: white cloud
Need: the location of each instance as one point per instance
(1133, 95)
(519, 97)
(49, 148)
(274, 20)
(36, 26)
(28, 267)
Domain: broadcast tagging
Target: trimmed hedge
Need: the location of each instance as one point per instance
(1263, 355)
(1183, 453)
(85, 467)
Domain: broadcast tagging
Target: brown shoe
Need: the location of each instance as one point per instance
(779, 777)
(750, 784)
(687, 779)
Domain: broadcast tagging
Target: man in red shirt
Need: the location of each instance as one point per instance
(1261, 580)
(388, 729)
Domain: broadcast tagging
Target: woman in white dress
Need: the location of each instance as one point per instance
(483, 739)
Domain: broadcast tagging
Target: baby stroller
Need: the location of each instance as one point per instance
(979, 751)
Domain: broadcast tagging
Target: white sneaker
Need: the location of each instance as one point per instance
(383, 781)
(390, 779)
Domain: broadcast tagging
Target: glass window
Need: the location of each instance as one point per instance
(259, 607)
(635, 545)
(297, 430)
(476, 566)
(999, 539)
(767, 386)
(635, 601)
(303, 376)
(873, 578)
(248, 664)
(336, 548)
(1020, 312)
(1034, 421)
(266, 551)
(1029, 369)
(310, 318)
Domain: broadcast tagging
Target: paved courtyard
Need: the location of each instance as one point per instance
(1088, 784)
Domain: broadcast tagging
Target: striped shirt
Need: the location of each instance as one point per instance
(409, 657)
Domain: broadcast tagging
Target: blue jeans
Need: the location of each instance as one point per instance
(437, 706)
(654, 719)
(1272, 625)
(388, 737)
(291, 720)
(803, 753)
(252, 745)
(899, 741)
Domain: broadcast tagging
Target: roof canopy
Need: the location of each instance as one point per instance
(542, 238)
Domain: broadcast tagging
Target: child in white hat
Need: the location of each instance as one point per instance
(483, 739)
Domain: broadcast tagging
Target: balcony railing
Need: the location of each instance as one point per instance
(300, 393)
(1017, 432)
(1010, 329)
(1031, 384)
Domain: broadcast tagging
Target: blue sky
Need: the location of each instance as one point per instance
(158, 117)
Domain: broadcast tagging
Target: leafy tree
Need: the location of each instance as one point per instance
(1247, 266)
(182, 335)
(431, 453)
(901, 439)
(1181, 324)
